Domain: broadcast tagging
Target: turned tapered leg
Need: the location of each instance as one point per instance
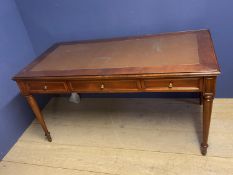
(207, 109)
(35, 108)
(208, 97)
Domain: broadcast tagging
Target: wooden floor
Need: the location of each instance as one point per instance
(125, 136)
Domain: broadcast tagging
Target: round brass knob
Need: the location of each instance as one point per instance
(102, 86)
(45, 87)
(170, 85)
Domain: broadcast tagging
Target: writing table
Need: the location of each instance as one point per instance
(171, 62)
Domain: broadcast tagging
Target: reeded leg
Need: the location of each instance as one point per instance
(207, 109)
(35, 108)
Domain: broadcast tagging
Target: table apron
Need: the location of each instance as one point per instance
(189, 84)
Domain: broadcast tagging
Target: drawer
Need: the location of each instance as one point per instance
(46, 86)
(173, 84)
(104, 85)
(85, 85)
(121, 85)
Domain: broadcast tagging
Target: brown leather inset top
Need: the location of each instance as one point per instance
(142, 52)
(165, 53)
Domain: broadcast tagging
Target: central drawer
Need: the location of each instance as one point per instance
(104, 85)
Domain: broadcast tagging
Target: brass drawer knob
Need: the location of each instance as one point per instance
(102, 86)
(170, 85)
(45, 87)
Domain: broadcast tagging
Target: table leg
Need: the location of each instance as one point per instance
(201, 98)
(35, 108)
(207, 110)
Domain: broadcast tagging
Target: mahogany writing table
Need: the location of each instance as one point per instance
(172, 62)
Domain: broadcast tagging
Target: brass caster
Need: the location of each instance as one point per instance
(204, 149)
(49, 138)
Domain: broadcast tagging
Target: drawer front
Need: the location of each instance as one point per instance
(184, 85)
(85, 86)
(46, 86)
(121, 85)
(104, 86)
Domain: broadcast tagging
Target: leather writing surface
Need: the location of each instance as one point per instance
(141, 52)
(190, 52)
